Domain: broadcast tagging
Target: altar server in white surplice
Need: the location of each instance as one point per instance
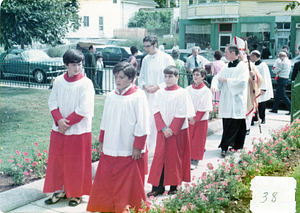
(201, 98)
(119, 179)
(266, 88)
(232, 82)
(151, 78)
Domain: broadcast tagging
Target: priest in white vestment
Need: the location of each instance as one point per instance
(151, 79)
(232, 82)
(266, 88)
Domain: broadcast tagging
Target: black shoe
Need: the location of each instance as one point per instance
(172, 192)
(273, 111)
(56, 197)
(223, 153)
(74, 201)
(252, 122)
(263, 121)
(194, 162)
(154, 193)
(289, 113)
(248, 132)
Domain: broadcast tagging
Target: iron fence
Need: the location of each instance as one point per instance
(295, 96)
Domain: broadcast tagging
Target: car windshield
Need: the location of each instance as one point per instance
(35, 55)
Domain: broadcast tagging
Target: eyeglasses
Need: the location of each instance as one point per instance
(147, 46)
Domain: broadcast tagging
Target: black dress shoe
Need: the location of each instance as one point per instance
(74, 201)
(56, 197)
(223, 153)
(273, 111)
(252, 122)
(289, 113)
(154, 193)
(172, 192)
(248, 132)
(263, 121)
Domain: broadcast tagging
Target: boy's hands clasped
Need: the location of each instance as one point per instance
(168, 132)
(63, 125)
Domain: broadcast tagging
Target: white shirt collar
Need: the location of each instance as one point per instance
(125, 90)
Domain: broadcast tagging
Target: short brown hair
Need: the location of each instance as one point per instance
(126, 68)
(171, 69)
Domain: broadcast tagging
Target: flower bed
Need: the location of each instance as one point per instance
(230, 182)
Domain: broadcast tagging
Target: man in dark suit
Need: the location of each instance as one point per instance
(296, 70)
(90, 67)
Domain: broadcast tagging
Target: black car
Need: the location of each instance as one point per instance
(115, 54)
(30, 63)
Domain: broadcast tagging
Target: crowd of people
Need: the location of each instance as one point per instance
(157, 114)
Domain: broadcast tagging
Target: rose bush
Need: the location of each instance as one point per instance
(216, 188)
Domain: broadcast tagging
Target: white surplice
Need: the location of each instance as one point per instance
(233, 96)
(152, 74)
(124, 117)
(174, 104)
(201, 99)
(75, 96)
(267, 82)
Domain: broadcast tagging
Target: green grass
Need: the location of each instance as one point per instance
(296, 175)
(25, 119)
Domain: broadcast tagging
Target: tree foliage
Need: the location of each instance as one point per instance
(46, 21)
(150, 20)
(292, 6)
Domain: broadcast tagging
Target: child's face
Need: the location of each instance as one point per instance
(74, 68)
(99, 59)
(171, 79)
(197, 78)
(282, 57)
(122, 81)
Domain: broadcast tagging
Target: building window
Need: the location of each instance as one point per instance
(101, 23)
(86, 21)
(115, 1)
(225, 27)
(283, 26)
(197, 35)
(256, 34)
(191, 2)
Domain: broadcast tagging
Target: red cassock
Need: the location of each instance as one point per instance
(172, 153)
(198, 134)
(122, 180)
(69, 164)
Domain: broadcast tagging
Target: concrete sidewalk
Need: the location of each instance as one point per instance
(212, 154)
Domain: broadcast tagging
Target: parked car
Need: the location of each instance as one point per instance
(115, 54)
(30, 63)
(116, 41)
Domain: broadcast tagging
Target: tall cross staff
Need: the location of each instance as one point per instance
(255, 105)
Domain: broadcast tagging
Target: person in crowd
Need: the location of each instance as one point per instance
(296, 70)
(132, 59)
(195, 60)
(281, 68)
(254, 82)
(183, 80)
(175, 47)
(120, 175)
(216, 66)
(90, 67)
(266, 88)
(71, 102)
(232, 82)
(201, 98)
(265, 54)
(289, 54)
(100, 68)
(171, 163)
(162, 47)
(208, 47)
(151, 78)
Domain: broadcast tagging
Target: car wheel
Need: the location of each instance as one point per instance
(39, 76)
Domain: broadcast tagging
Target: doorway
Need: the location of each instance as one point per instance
(224, 39)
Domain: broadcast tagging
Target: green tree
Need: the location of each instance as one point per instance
(46, 21)
(150, 20)
(292, 6)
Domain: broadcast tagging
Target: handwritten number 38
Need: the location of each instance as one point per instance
(266, 197)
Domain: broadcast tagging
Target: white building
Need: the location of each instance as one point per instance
(100, 17)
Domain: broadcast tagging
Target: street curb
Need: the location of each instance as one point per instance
(31, 192)
(23, 195)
